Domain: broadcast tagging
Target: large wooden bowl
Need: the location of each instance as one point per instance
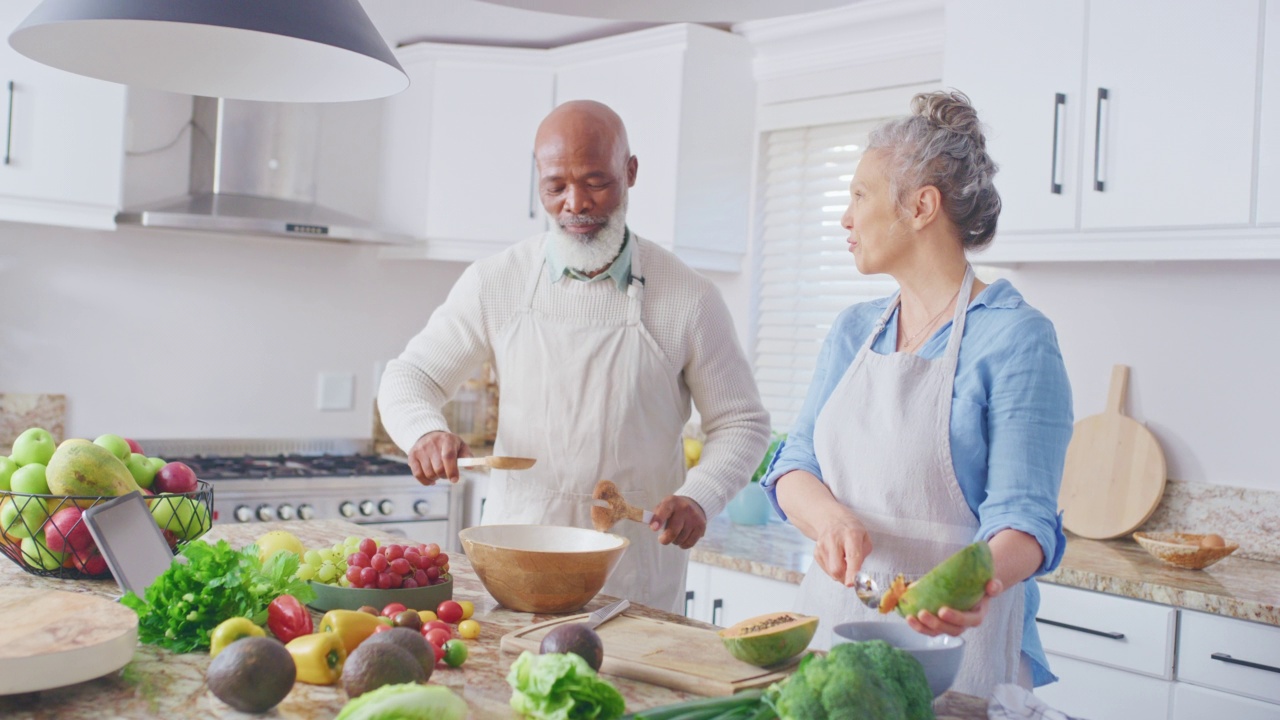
(1182, 549)
(542, 568)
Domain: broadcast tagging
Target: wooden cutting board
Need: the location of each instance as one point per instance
(1115, 470)
(51, 638)
(662, 653)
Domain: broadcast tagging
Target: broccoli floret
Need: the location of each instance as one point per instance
(842, 687)
(900, 671)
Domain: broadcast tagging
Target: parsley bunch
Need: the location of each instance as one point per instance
(216, 583)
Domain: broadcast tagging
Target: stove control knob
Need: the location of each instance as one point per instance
(265, 514)
(366, 507)
(386, 507)
(243, 513)
(347, 509)
(422, 507)
(305, 512)
(285, 512)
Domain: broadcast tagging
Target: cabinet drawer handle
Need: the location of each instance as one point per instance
(688, 602)
(1099, 183)
(1059, 111)
(533, 182)
(1091, 631)
(717, 606)
(1258, 666)
(8, 135)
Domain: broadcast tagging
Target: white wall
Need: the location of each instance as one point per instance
(167, 335)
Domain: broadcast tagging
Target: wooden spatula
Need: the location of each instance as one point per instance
(498, 462)
(608, 507)
(1114, 473)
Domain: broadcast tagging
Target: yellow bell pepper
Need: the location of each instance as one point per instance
(318, 656)
(229, 631)
(353, 626)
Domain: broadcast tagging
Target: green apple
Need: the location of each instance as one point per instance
(157, 463)
(116, 444)
(7, 467)
(144, 473)
(34, 445)
(184, 517)
(23, 517)
(30, 479)
(38, 555)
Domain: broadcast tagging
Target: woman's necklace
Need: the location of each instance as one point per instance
(910, 342)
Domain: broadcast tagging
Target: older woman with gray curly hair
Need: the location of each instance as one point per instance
(936, 417)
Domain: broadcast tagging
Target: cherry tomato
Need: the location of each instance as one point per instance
(441, 625)
(455, 653)
(437, 637)
(391, 609)
(438, 650)
(427, 616)
(468, 609)
(469, 629)
(450, 611)
(382, 627)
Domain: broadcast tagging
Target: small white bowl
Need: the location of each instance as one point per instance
(940, 656)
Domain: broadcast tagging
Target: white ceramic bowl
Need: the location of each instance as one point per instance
(542, 568)
(940, 656)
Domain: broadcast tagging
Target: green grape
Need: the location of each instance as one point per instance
(343, 581)
(311, 557)
(327, 573)
(306, 572)
(351, 540)
(327, 556)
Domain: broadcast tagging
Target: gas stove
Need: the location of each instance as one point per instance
(296, 481)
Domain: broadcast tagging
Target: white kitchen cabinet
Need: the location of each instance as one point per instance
(63, 148)
(1197, 703)
(1268, 200)
(457, 166)
(1097, 692)
(1235, 656)
(725, 597)
(1124, 130)
(687, 97)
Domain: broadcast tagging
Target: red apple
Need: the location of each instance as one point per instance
(92, 564)
(65, 532)
(134, 447)
(170, 538)
(175, 477)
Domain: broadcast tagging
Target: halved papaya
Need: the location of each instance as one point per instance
(958, 582)
(767, 640)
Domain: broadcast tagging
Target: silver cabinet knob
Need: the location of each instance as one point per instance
(422, 507)
(347, 509)
(305, 512)
(265, 514)
(386, 507)
(243, 513)
(366, 507)
(285, 512)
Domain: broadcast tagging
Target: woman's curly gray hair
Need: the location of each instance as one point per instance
(941, 144)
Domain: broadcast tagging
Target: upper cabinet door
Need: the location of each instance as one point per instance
(1171, 90)
(1269, 135)
(1021, 65)
(63, 139)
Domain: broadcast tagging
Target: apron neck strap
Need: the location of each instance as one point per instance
(957, 319)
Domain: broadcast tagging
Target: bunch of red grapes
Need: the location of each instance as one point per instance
(396, 566)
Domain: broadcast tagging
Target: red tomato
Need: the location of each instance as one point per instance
(383, 628)
(439, 650)
(449, 611)
(438, 637)
(439, 624)
(393, 609)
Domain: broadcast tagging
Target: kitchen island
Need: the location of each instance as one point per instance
(158, 683)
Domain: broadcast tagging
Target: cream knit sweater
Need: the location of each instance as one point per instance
(681, 309)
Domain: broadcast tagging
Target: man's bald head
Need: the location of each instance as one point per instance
(580, 125)
(585, 166)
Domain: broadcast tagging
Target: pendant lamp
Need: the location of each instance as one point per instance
(271, 50)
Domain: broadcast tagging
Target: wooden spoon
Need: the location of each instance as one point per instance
(608, 507)
(497, 462)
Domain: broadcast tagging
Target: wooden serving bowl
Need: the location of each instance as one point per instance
(1182, 549)
(542, 568)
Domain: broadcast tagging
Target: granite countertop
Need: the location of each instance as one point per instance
(1233, 587)
(159, 683)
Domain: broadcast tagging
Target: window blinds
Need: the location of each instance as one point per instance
(806, 273)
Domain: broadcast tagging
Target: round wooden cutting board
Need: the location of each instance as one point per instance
(51, 638)
(1115, 471)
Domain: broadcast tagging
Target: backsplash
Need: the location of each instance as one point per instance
(1240, 515)
(19, 411)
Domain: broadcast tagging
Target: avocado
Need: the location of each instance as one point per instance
(372, 665)
(574, 638)
(252, 674)
(409, 640)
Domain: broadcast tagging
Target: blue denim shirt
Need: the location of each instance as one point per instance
(1011, 421)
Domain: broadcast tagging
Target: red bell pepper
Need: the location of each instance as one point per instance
(288, 619)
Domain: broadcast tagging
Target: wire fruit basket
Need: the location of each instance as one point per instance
(46, 535)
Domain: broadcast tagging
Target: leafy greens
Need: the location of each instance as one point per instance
(561, 686)
(216, 583)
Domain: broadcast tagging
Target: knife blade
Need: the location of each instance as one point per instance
(606, 613)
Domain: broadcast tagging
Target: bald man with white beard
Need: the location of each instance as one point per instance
(601, 340)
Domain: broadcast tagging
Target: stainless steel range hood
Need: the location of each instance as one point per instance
(253, 173)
